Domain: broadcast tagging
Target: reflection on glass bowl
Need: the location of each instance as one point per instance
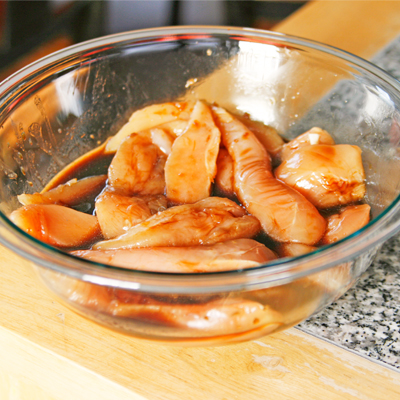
(68, 103)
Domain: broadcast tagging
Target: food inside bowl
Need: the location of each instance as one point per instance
(196, 179)
(192, 188)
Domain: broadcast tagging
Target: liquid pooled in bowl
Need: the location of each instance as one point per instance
(189, 187)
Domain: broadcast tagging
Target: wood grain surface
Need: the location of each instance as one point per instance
(361, 27)
(46, 348)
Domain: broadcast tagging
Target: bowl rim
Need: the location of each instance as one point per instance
(280, 271)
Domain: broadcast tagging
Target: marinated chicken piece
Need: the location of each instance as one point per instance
(346, 222)
(310, 138)
(327, 176)
(71, 193)
(174, 148)
(191, 167)
(267, 135)
(284, 214)
(224, 178)
(226, 316)
(57, 225)
(294, 249)
(230, 255)
(137, 167)
(296, 300)
(147, 118)
(156, 203)
(175, 128)
(117, 213)
(161, 139)
(208, 221)
(219, 315)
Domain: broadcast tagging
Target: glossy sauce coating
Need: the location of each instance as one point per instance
(267, 135)
(137, 167)
(224, 256)
(71, 193)
(57, 225)
(284, 214)
(118, 213)
(191, 167)
(214, 315)
(349, 220)
(312, 137)
(224, 179)
(327, 175)
(150, 117)
(208, 221)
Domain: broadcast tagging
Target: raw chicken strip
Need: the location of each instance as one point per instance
(70, 194)
(208, 221)
(294, 249)
(137, 167)
(224, 182)
(311, 137)
(327, 176)
(161, 139)
(348, 221)
(147, 118)
(230, 255)
(117, 213)
(175, 128)
(285, 214)
(57, 225)
(267, 135)
(191, 167)
(224, 315)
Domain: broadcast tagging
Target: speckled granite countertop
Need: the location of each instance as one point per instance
(367, 318)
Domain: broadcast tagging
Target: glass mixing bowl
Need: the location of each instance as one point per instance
(66, 104)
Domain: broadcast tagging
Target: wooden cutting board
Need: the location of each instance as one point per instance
(50, 353)
(361, 27)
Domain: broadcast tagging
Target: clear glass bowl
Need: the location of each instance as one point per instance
(63, 105)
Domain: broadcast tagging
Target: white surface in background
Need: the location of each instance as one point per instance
(135, 14)
(126, 15)
(138, 14)
(208, 12)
